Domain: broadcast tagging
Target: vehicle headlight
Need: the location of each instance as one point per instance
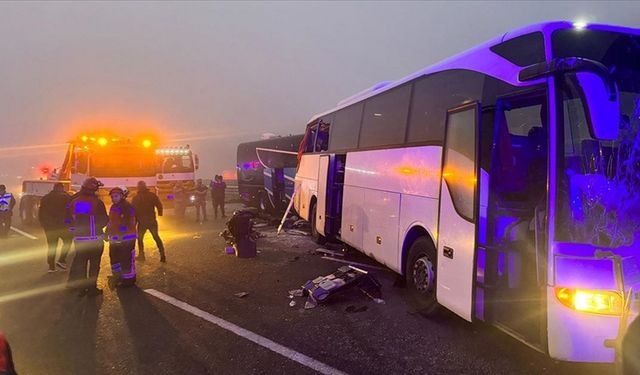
(603, 302)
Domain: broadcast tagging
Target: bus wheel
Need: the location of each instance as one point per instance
(320, 239)
(421, 277)
(263, 202)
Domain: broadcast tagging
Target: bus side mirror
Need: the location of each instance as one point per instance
(197, 162)
(602, 107)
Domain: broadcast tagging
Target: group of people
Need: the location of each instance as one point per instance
(217, 189)
(82, 219)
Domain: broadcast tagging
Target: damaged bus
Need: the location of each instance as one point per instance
(503, 183)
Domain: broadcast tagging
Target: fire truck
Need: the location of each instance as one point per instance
(115, 162)
(176, 164)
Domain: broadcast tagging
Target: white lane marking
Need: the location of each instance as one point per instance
(24, 233)
(260, 340)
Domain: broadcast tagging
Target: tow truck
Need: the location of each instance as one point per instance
(115, 161)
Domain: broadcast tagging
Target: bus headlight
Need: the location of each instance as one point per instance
(603, 302)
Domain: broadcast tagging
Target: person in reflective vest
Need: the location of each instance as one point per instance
(87, 218)
(6, 361)
(7, 202)
(121, 232)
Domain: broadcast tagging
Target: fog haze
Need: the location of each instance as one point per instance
(216, 74)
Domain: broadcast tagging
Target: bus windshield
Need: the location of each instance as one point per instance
(599, 183)
(122, 163)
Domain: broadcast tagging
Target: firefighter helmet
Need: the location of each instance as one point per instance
(91, 184)
(120, 189)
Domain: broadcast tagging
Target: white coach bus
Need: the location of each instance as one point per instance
(503, 183)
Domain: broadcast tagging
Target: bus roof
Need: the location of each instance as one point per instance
(481, 59)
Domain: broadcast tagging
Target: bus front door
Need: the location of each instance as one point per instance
(457, 225)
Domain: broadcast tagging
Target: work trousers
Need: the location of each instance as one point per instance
(86, 263)
(123, 260)
(151, 226)
(218, 203)
(5, 223)
(201, 206)
(53, 235)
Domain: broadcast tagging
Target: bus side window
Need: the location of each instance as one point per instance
(322, 139)
(311, 137)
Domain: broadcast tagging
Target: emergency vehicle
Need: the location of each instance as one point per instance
(114, 161)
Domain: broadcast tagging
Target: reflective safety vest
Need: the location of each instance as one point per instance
(5, 202)
(88, 218)
(122, 222)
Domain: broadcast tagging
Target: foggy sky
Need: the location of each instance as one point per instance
(216, 74)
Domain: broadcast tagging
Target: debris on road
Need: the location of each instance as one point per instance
(292, 303)
(323, 287)
(197, 237)
(310, 304)
(240, 234)
(328, 252)
(241, 294)
(297, 232)
(296, 293)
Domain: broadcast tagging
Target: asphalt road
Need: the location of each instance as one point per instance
(133, 332)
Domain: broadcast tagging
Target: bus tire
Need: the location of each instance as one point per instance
(421, 276)
(317, 237)
(264, 204)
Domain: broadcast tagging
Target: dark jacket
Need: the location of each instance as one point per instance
(53, 208)
(145, 203)
(6, 362)
(201, 193)
(87, 216)
(217, 190)
(122, 222)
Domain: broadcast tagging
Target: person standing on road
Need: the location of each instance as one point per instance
(121, 232)
(7, 202)
(180, 199)
(87, 218)
(218, 187)
(145, 204)
(201, 200)
(52, 217)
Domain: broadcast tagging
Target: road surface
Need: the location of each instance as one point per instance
(184, 318)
